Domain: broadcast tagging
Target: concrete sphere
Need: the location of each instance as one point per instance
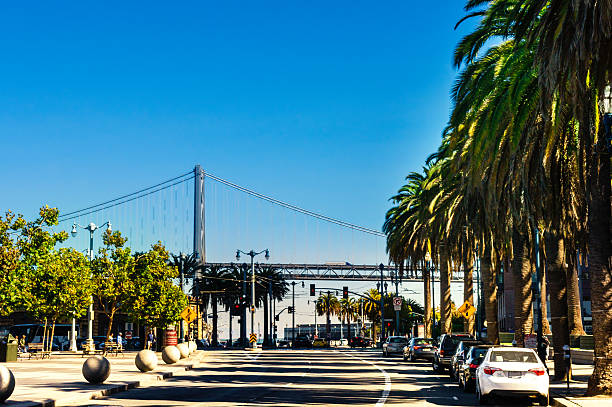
(171, 355)
(146, 360)
(96, 369)
(7, 383)
(192, 346)
(184, 349)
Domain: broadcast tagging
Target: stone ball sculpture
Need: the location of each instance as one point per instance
(171, 355)
(7, 383)
(146, 360)
(184, 349)
(192, 346)
(96, 369)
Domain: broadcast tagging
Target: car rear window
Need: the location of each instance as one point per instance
(422, 342)
(479, 353)
(398, 340)
(513, 356)
(451, 342)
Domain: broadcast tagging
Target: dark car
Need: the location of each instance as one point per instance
(359, 342)
(459, 356)
(202, 344)
(466, 371)
(134, 343)
(283, 343)
(445, 348)
(302, 341)
(419, 348)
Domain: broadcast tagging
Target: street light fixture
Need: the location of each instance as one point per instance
(90, 313)
(252, 254)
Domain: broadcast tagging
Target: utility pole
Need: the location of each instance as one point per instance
(328, 322)
(397, 313)
(243, 335)
(182, 258)
(293, 283)
(271, 338)
(433, 295)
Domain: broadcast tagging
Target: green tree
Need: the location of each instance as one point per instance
(113, 275)
(157, 302)
(10, 224)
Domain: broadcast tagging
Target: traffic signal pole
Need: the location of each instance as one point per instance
(293, 283)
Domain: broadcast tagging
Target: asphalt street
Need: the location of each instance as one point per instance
(300, 378)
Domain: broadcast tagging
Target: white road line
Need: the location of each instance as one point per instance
(250, 357)
(383, 398)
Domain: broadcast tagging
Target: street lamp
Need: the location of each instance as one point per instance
(90, 313)
(607, 115)
(183, 257)
(252, 254)
(381, 267)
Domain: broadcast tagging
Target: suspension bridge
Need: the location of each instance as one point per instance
(201, 213)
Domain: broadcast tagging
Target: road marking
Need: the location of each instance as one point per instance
(251, 357)
(383, 398)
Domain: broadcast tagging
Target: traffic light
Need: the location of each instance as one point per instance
(236, 308)
(290, 310)
(345, 293)
(312, 290)
(388, 324)
(276, 317)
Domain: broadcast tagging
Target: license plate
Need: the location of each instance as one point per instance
(515, 375)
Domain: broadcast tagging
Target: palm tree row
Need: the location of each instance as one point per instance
(524, 155)
(216, 285)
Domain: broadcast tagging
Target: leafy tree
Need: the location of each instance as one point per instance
(157, 301)
(9, 262)
(113, 275)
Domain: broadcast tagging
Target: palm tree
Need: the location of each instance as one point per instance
(213, 285)
(270, 285)
(348, 312)
(371, 309)
(327, 304)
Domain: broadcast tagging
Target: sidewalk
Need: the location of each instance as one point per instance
(560, 397)
(58, 381)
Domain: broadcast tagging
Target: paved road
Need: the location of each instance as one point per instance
(300, 378)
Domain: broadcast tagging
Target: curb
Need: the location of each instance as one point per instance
(560, 401)
(113, 389)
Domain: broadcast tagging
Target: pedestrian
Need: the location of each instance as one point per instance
(22, 344)
(119, 341)
(110, 337)
(150, 339)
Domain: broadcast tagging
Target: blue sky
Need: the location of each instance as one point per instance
(327, 105)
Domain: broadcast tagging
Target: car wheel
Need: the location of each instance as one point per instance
(436, 367)
(460, 383)
(411, 357)
(451, 374)
(405, 358)
(482, 400)
(544, 400)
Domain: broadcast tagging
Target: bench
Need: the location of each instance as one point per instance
(112, 347)
(90, 351)
(36, 349)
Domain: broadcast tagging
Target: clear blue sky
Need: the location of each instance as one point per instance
(324, 104)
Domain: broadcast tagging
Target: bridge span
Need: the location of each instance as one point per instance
(353, 272)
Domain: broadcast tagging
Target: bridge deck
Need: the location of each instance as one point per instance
(355, 272)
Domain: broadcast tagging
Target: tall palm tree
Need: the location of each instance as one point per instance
(348, 312)
(270, 285)
(371, 309)
(328, 305)
(213, 285)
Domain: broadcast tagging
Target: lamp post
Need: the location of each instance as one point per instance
(607, 115)
(381, 267)
(252, 254)
(181, 281)
(90, 313)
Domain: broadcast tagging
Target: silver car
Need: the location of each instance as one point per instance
(394, 344)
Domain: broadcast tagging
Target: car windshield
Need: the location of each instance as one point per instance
(479, 353)
(451, 342)
(397, 340)
(422, 341)
(513, 356)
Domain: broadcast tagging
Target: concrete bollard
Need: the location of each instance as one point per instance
(171, 355)
(7, 383)
(184, 349)
(96, 369)
(192, 347)
(146, 360)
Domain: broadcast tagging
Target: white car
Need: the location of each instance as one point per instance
(507, 371)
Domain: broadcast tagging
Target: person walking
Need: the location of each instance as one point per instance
(119, 341)
(150, 340)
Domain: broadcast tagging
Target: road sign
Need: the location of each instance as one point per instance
(253, 338)
(397, 303)
(466, 310)
(128, 334)
(531, 341)
(188, 315)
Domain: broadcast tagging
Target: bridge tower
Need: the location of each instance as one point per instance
(199, 236)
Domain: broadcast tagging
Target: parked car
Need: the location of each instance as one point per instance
(302, 341)
(419, 348)
(459, 355)
(34, 334)
(444, 350)
(202, 344)
(320, 343)
(507, 371)
(394, 344)
(466, 371)
(359, 342)
(134, 343)
(283, 343)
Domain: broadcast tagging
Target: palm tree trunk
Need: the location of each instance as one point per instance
(489, 282)
(521, 269)
(266, 339)
(599, 265)
(215, 338)
(427, 300)
(468, 291)
(574, 310)
(445, 295)
(544, 293)
(555, 255)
